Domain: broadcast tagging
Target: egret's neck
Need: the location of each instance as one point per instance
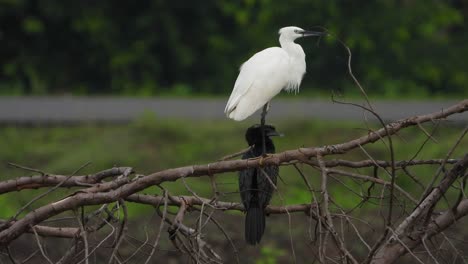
(297, 64)
(293, 49)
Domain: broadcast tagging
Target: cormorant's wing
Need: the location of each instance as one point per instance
(245, 182)
(265, 186)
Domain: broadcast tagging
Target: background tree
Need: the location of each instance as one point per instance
(147, 47)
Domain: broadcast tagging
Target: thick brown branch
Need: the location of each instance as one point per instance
(392, 251)
(458, 169)
(395, 248)
(39, 181)
(81, 198)
(50, 231)
(382, 163)
(219, 205)
(47, 180)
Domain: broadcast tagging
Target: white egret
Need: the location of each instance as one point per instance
(268, 72)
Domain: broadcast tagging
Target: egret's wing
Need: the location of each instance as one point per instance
(269, 66)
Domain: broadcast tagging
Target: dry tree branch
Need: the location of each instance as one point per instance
(47, 192)
(47, 180)
(122, 231)
(10, 256)
(287, 212)
(430, 200)
(392, 249)
(193, 247)
(71, 252)
(41, 248)
(234, 155)
(42, 181)
(218, 205)
(218, 225)
(97, 189)
(102, 241)
(26, 168)
(84, 198)
(84, 236)
(161, 225)
(388, 219)
(374, 180)
(436, 175)
(49, 231)
(327, 216)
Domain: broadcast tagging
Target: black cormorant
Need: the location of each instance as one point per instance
(255, 188)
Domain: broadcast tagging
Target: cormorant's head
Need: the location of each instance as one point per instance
(254, 134)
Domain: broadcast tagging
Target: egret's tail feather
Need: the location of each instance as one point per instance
(254, 225)
(239, 113)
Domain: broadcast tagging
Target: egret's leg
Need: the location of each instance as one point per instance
(262, 123)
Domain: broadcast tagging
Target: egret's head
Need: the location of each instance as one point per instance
(292, 33)
(254, 134)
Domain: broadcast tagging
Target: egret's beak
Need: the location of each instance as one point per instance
(307, 33)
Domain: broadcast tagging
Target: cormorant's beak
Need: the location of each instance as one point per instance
(307, 33)
(272, 133)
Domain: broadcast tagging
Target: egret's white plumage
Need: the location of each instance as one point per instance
(268, 72)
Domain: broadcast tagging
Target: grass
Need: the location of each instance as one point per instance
(150, 144)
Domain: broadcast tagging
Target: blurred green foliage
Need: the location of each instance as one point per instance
(411, 48)
(270, 254)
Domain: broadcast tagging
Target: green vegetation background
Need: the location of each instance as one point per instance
(401, 49)
(149, 145)
(143, 48)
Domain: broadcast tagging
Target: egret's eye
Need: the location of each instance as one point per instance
(296, 31)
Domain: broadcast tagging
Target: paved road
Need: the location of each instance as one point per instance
(50, 110)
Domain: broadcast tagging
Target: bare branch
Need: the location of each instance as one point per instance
(417, 224)
(41, 248)
(49, 231)
(392, 249)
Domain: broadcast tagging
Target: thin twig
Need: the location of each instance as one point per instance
(26, 168)
(237, 154)
(48, 192)
(287, 212)
(39, 244)
(84, 236)
(440, 169)
(103, 240)
(122, 231)
(161, 225)
(327, 216)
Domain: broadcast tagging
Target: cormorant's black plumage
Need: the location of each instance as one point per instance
(255, 188)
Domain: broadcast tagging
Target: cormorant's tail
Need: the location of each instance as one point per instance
(254, 225)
